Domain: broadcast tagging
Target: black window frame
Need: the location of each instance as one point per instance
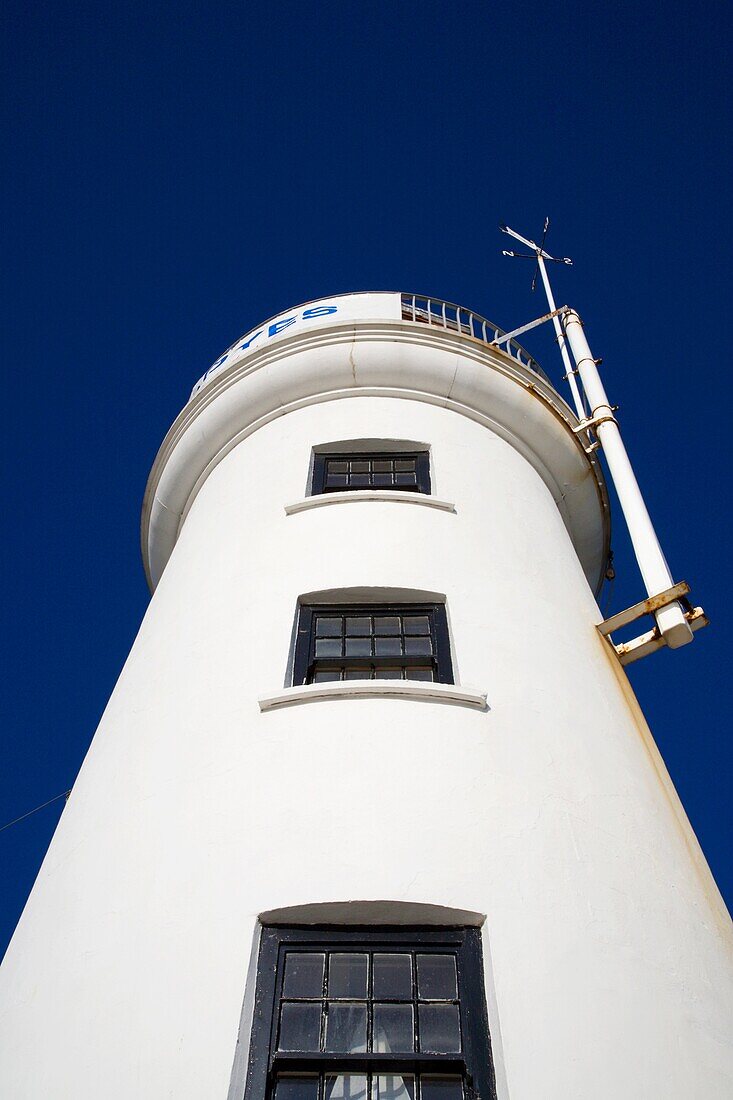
(305, 661)
(321, 458)
(474, 1064)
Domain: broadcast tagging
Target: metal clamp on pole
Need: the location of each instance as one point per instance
(594, 421)
(671, 620)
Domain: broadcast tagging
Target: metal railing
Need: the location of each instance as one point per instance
(454, 318)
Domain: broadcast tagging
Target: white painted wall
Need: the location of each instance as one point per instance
(608, 949)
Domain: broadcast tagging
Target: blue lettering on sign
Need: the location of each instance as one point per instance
(277, 326)
(318, 311)
(211, 369)
(251, 340)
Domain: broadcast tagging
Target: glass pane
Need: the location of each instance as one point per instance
(328, 647)
(328, 628)
(393, 1087)
(359, 481)
(359, 626)
(337, 481)
(436, 977)
(393, 1029)
(405, 464)
(347, 1086)
(387, 624)
(358, 673)
(389, 674)
(336, 466)
(405, 480)
(388, 647)
(297, 1088)
(418, 646)
(360, 466)
(359, 647)
(382, 481)
(382, 466)
(300, 1027)
(326, 676)
(418, 674)
(392, 977)
(439, 1029)
(416, 624)
(347, 975)
(346, 1028)
(304, 972)
(441, 1088)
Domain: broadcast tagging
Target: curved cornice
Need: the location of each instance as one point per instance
(399, 359)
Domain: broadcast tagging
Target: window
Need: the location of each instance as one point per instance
(338, 473)
(370, 1015)
(368, 642)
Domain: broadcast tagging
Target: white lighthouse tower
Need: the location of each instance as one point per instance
(372, 812)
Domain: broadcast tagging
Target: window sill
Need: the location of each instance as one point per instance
(363, 689)
(354, 496)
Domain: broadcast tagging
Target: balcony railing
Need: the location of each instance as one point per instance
(446, 315)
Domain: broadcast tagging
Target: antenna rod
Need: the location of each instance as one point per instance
(653, 566)
(569, 372)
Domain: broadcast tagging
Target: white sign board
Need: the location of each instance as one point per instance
(325, 311)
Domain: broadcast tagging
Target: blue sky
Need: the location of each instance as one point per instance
(176, 173)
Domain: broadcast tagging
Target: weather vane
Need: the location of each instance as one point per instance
(538, 252)
(539, 255)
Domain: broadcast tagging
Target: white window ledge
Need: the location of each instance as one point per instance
(354, 496)
(363, 689)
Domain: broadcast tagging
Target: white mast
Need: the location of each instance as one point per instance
(655, 572)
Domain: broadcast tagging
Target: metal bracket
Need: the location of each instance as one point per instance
(628, 652)
(594, 421)
(525, 328)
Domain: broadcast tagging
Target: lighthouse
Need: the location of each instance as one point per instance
(373, 812)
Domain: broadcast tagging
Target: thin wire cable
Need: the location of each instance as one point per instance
(64, 794)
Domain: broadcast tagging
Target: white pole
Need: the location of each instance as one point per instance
(654, 569)
(577, 400)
